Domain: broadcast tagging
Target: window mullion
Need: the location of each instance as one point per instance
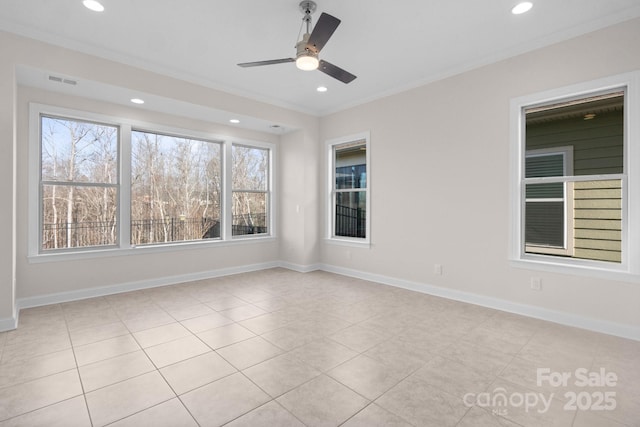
(574, 178)
(124, 213)
(227, 192)
(81, 184)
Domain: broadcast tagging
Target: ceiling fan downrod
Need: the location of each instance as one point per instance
(307, 7)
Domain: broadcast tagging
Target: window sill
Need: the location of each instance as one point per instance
(144, 250)
(577, 268)
(359, 243)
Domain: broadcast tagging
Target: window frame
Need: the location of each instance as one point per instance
(86, 184)
(181, 135)
(331, 146)
(268, 192)
(629, 267)
(35, 253)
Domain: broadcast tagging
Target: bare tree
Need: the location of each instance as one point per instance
(178, 181)
(175, 186)
(77, 159)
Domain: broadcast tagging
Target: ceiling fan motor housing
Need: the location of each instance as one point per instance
(301, 47)
(305, 58)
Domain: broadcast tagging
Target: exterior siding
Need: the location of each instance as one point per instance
(598, 148)
(598, 209)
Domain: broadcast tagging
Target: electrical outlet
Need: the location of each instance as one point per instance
(437, 269)
(536, 284)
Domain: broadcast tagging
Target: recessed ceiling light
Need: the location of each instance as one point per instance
(94, 5)
(523, 7)
(321, 89)
(234, 121)
(589, 116)
(137, 100)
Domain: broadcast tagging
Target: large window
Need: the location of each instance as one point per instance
(250, 195)
(576, 175)
(349, 189)
(98, 183)
(78, 184)
(175, 188)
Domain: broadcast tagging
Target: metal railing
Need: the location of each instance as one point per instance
(145, 231)
(173, 229)
(350, 222)
(78, 234)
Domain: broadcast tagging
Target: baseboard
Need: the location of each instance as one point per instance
(611, 328)
(300, 268)
(568, 319)
(80, 294)
(8, 324)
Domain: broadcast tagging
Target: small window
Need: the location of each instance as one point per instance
(175, 189)
(576, 183)
(350, 190)
(582, 162)
(78, 184)
(250, 190)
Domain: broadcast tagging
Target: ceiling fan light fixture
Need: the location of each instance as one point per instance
(307, 62)
(94, 5)
(522, 7)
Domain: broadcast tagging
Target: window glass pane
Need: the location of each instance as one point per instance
(250, 168)
(351, 177)
(553, 190)
(74, 217)
(577, 219)
(598, 220)
(351, 214)
(593, 126)
(594, 224)
(545, 224)
(175, 189)
(351, 168)
(77, 151)
(249, 213)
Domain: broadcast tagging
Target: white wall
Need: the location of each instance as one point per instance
(7, 193)
(439, 181)
(300, 208)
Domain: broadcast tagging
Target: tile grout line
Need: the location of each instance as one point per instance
(73, 350)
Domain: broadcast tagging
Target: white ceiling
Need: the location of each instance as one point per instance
(389, 45)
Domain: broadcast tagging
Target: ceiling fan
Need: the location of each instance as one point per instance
(310, 46)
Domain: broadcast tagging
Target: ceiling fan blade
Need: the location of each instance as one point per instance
(321, 33)
(270, 62)
(335, 72)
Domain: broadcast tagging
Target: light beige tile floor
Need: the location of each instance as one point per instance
(279, 348)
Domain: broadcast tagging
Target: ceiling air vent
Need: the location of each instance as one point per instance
(63, 80)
